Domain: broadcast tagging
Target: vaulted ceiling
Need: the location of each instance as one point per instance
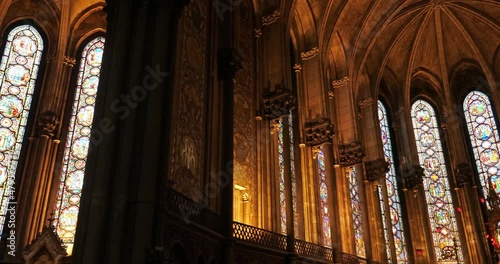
(368, 39)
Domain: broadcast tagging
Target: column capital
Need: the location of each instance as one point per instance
(413, 177)
(47, 123)
(278, 103)
(376, 169)
(319, 131)
(229, 63)
(69, 61)
(309, 54)
(351, 154)
(339, 83)
(463, 174)
(366, 102)
(270, 19)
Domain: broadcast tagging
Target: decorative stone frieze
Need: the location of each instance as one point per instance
(47, 123)
(269, 20)
(319, 131)
(351, 154)
(463, 174)
(376, 169)
(278, 103)
(307, 55)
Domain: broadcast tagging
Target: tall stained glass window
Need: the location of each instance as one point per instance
(18, 72)
(357, 216)
(445, 236)
(323, 192)
(282, 176)
(393, 225)
(77, 143)
(484, 137)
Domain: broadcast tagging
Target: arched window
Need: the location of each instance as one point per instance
(78, 140)
(323, 192)
(18, 72)
(392, 220)
(484, 138)
(357, 216)
(442, 218)
(282, 176)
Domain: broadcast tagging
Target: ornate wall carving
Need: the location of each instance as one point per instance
(278, 103)
(318, 132)
(376, 169)
(245, 142)
(351, 154)
(188, 135)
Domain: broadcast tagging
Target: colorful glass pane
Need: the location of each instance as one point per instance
(78, 142)
(447, 244)
(282, 176)
(392, 220)
(357, 216)
(281, 158)
(293, 177)
(323, 192)
(484, 138)
(18, 72)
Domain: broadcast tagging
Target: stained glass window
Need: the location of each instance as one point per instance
(447, 245)
(484, 138)
(77, 143)
(282, 176)
(357, 217)
(392, 220)
(323, 192)
(18, 72)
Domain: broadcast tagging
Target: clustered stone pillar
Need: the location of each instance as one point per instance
(125, 176)
(320, 133)
(351, 158)
(277, 106)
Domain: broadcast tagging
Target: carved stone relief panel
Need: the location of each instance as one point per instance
(188, 133)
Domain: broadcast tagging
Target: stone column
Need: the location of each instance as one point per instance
(277, 105)
(125, 175)
(376, 171)
(34, 191)
(229, 63)
(351, 157)
(320, 133)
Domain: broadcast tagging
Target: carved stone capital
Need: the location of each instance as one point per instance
(315, 151)
(229, 63)
(268, 20)
(351, 154)
(366, 102)
(307, 55)
(376, 169)
(318, 132)
(336, 84)
(47, 123)
(398, 113)
(463, 173)
(278, 103)
(275, 126)
(297, 67)
(257, 33)
(413, 177)
(69, 61)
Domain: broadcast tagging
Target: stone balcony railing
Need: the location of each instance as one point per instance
(192, 212)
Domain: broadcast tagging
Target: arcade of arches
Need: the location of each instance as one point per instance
(249, 131)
